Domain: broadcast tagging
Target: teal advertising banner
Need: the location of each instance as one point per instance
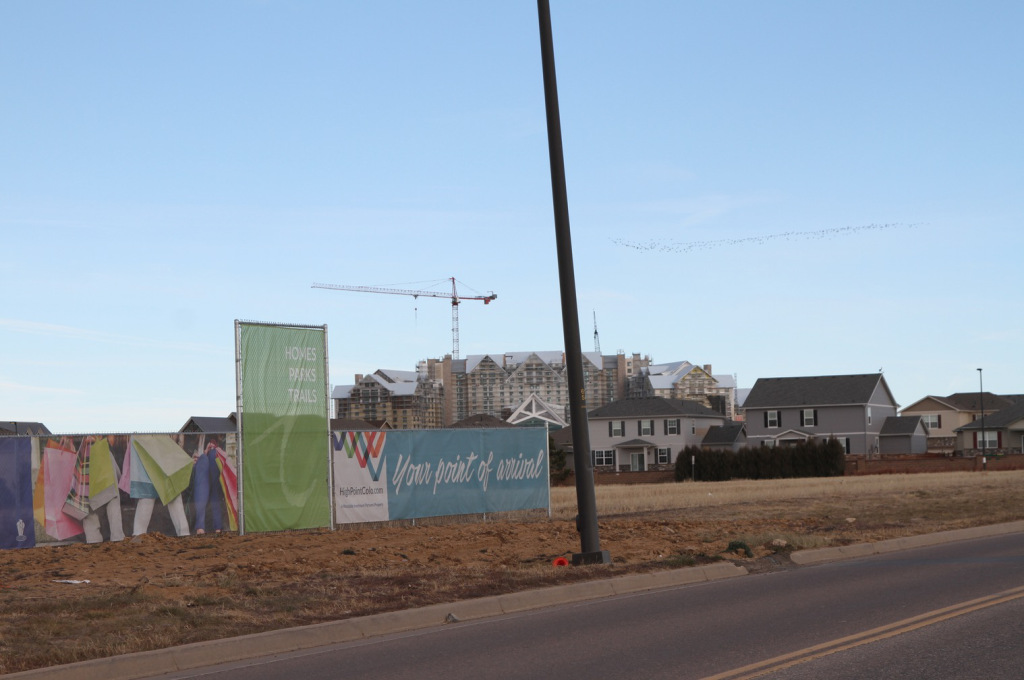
(282, 375)
(406, 474)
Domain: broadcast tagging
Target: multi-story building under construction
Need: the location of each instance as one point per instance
(444, 391)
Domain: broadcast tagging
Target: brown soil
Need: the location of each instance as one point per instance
(154, 591)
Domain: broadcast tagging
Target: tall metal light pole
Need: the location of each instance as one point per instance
(981, 400)
(586, 501)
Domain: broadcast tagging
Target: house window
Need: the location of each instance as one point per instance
(809, 417)
(772, 419)
(769, 443)
(664, 456)
(869, 415)
(604, 458)
(646, 428)
(672, 426)
(617, 428)
(693, 427)
(988, 439)
(932, 421)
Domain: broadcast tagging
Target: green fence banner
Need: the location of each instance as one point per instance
(282, 376)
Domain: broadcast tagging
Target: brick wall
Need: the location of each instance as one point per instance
(888, 465)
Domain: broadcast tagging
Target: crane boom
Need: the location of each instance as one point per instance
(453, 296)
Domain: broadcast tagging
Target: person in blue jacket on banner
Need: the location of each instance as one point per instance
(206, 491)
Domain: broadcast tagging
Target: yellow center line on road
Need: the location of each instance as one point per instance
(778, 663)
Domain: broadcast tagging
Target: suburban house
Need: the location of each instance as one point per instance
(944, 415)
(1003, 432)
(900, 436)
(216, 424)
(22, 427)
(851, 408)
(647, 433)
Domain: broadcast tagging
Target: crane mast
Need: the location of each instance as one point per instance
(454, 296)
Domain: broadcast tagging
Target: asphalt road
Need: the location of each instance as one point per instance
(950, 611)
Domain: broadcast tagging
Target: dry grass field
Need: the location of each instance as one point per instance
(155, 591)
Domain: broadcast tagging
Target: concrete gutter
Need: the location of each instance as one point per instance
(821, 555)
(210, 652)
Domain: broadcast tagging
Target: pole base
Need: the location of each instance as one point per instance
(599, 557)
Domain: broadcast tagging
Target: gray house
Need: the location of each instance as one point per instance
(903, 435)
(647, 433)
(851, 408)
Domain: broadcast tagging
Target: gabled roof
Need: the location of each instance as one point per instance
(671, 368)
(353, 424)
(211, 424)
(724, 434)
(972, 401)
(22, 427)
(484, 420)
(634, 443)
(395, 376)
(342, 391)
(900, 425)
(725, 379)
(562, 439)
(640, 407)
(1000, 419)
(535, 408)
(823, 390)
(969, 401)
(511, 360)
(792, 431)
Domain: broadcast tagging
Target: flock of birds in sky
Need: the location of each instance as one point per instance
(692, 246)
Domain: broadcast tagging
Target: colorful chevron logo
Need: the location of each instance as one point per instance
(365, 447)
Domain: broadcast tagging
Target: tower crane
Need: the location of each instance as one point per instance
(453, 296)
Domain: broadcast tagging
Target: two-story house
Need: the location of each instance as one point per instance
(851, 408)
(944, 415)
(647, 432)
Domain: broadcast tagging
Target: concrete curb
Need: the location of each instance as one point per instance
(185, 657)
(821, 555)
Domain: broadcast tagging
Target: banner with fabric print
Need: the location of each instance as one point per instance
(17, 526)
(285, 469)
(407, 474)
(104, 487)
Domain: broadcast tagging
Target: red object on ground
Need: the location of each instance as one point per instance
(560, 562)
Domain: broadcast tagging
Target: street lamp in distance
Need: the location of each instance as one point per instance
(981, 404)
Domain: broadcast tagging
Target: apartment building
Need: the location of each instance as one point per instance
(497, 384)
(404, 399)
(683, 380)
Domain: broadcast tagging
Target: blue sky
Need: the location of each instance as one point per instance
(171, 167)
